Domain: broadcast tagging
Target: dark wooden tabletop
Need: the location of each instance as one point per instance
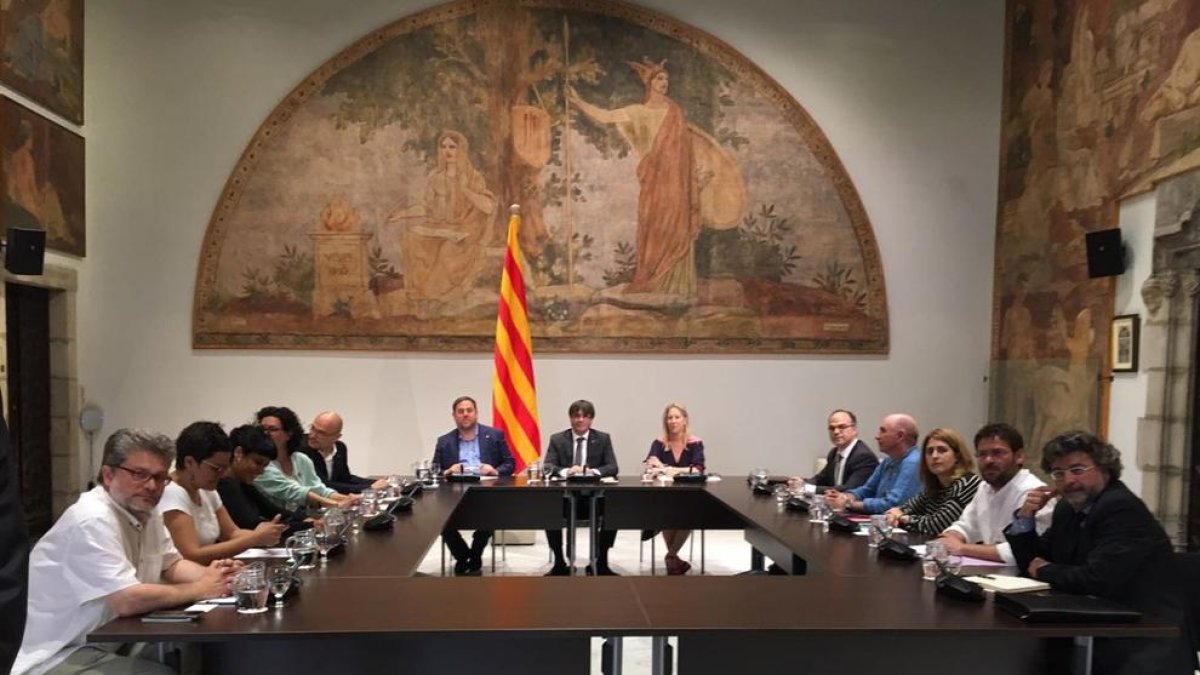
(371, 590)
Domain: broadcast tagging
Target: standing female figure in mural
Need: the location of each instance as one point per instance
(444, 253)
(686, 180)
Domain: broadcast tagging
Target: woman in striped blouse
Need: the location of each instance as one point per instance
(948, 474)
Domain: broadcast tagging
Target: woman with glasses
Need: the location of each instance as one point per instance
(192, 509)
(253, 450)
(676, 452)
(290, 481)
(948, 474)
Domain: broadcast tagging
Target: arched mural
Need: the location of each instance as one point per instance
(674, 197)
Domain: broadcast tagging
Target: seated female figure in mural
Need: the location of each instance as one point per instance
(686, 180)
(444, 252)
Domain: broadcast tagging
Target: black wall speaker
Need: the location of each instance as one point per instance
(1105, 253)
(24, 250)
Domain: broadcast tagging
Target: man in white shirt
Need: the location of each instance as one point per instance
(109, 555)
(979, 532)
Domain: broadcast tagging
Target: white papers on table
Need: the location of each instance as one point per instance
(1009, 584)
(257, 553)
(200, 608)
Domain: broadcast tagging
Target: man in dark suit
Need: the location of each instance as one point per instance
(850, 462)
(471, 448)
(581, 449)
(325, 448)
(14, 561)
(1103, 541)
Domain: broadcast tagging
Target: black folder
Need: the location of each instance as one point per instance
(1058, 607)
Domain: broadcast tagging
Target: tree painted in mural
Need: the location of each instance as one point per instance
(674, 197)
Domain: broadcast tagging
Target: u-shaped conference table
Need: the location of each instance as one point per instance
(844, 610)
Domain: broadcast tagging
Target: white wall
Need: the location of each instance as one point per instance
(1127, 400)
(908, 93)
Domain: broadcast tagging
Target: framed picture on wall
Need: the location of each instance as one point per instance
(1123, 340)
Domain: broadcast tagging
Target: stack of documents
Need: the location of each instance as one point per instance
(1009, 584)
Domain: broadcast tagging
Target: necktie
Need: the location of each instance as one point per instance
(837, 470)
(578, 451)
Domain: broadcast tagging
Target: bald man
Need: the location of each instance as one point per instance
(896, 478)
(325, 448)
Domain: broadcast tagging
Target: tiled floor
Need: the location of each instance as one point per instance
(725, 552)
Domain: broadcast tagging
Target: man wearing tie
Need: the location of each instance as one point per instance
(471, 448)
(578, 450)
(850, 462)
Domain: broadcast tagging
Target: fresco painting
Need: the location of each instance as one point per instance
(674, 198)
(1102, 101)
(42, 53)
(42, 170)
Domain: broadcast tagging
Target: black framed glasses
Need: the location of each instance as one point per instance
(142, 476)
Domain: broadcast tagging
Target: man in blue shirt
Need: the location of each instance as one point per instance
(471, 448)
(895, 479)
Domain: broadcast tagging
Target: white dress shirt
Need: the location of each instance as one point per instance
(984, 519)
(94, 550)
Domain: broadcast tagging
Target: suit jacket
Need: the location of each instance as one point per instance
(560, 453)
(493, 449)
(14, 558)
(860, 464)
(342, 480)
(1117, 550)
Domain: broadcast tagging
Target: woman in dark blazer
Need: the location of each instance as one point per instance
(676, 452)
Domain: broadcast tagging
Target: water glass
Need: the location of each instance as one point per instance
(782, 494)
(395, 482)
(250, 590)
(368, 502)
(435, 474)
(326, 538)
(759, 476)
(281, 582)
(878, 530)
(818, 510)
(533, 472)
(935, 553)
(337, 523)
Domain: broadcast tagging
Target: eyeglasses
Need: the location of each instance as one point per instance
(316, 430)
(1061, 474)
(271, 430)
(219, 468)
(140, 476)
(840, 427)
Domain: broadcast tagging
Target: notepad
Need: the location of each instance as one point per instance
(256, 553)
(1009, 584)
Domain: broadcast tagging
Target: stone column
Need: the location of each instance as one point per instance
(1164, 434)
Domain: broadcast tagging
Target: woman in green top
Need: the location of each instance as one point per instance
(290, 480)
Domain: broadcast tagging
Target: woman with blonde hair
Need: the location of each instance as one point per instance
(948, 473)
(676, 452)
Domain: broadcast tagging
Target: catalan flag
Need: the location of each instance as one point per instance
(514, 396)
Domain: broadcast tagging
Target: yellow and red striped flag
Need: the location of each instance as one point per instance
(514, 395)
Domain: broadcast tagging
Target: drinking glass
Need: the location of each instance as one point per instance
(533, 472)
(336, 524)
(782, 493)
(250, 590)
(935, 553)
(302, 548)
(368, 502)
(395, 482)
(325, 539)
(281, 582)
(878, 530)
(435, 473)
(818, 510)
(759, 476)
